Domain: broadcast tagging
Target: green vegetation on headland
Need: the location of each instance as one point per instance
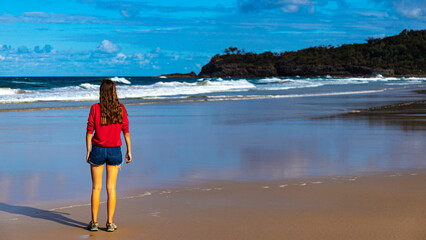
(400, 55)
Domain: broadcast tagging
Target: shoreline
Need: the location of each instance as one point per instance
(213, 98)
(385, 205)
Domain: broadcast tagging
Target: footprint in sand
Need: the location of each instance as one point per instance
(155, 214)
(165, 192)
(145, 194)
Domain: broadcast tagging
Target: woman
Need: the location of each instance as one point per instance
(107, 119)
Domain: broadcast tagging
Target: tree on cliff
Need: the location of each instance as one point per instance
(233, 50)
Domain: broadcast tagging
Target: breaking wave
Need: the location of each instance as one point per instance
(85, 89)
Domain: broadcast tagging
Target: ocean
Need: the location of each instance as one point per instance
(52, 92)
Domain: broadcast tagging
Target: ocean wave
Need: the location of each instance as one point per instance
(90, 92)
(415, 78)
(258, 96)
(275, 83)
(266, 96)
(9, 91)
(86, 90)
(249, 97)
(28, 83)
(274, 80)
(286, 84)
(404, 83)
(120, 80)
(184, 88)
(89, 86)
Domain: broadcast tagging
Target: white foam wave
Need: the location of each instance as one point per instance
(404, 83)
(9, 91)
(274, 80)
(248, 97)
(185, 88)
(286, 84)
(120, 80)
(276, 83)
(416, 78)
(28, 83)
(363, 79)
(89, 92)
(89, 86)
(175, 89)
(6, 91)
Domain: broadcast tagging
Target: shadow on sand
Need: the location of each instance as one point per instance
(58, 217)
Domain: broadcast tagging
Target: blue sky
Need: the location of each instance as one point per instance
(145, 38)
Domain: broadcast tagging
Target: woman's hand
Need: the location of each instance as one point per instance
(88, 145)
(129, 147)
(128, 157)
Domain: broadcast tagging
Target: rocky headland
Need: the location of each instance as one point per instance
(399, 55)
(175, 75)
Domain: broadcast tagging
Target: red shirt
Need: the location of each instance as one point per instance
(106, 135)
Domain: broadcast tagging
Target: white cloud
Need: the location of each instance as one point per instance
(411, 8)
(119, 58)
(108, 47)
(290, 8)
(284, 5)
(374, 14)
(2, 58)
(141, 59)
(412, 13)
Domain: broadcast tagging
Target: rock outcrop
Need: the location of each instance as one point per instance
(400, 55)
(175, 75)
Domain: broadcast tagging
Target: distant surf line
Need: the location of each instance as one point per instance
(202, 99)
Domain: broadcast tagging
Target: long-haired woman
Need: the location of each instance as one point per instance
(107, 119)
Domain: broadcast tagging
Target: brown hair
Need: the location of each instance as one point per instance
(111, 111)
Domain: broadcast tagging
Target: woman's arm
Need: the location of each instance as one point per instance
(129, 147)
(88, 145)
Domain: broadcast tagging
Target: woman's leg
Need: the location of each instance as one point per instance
(96, 172)
(112, 172)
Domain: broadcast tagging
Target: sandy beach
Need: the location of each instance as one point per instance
(239, 120)
(379, 206)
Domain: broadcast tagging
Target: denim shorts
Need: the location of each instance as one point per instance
(109, 155)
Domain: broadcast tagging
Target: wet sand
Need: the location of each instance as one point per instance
(379, 206)
(409, 115)
(263, 169)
